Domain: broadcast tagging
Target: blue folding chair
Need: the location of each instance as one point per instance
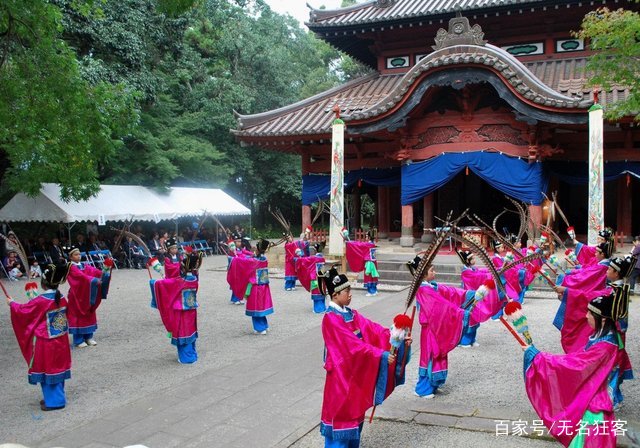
(86, 259)
(106, 253)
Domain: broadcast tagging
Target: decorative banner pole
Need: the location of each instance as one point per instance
(596, 170)
(336, 242)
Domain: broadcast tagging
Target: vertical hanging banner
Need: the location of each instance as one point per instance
(336, 243)
(596, 171)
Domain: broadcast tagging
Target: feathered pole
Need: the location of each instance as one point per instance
(512, 331)
(484, 257)
(402, 321)
(570, 256)
(153, 263)
(514, 314)
(15, 246)
(400, 329)
(31, 290)
(139, 241)
(4, 290)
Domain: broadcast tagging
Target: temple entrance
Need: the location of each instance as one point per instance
(467, 190)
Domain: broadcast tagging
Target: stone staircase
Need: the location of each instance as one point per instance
(393, 270)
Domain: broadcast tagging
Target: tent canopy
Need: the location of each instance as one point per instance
(120, 203)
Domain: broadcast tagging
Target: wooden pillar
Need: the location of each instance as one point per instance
(535, 214)
(357, 208)
(406, 235)
(624, 206)
(427, 202)
(306, 217)
(384, 220)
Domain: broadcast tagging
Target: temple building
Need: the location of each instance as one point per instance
(467, 101)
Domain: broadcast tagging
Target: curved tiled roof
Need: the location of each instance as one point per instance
(521, 79)
(314, 115)
(369, 12)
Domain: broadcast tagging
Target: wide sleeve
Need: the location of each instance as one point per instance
(586, 255)
(25, 318)
(356, 370)
(241, 273)
(444, 321)
(356, 252)
(561, 387)
(164, 293)
(86, 288)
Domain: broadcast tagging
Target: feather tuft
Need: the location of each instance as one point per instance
(402, 321)
(512, 308)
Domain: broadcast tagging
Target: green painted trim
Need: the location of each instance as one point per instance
(338, 121)
(596, 106)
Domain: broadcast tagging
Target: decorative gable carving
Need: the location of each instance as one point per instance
(459, 33)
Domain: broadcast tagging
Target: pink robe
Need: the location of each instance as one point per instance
(358, 373)
(307, 269)
(472, 278)
(87, 288)
(358, 252)
(171, 268)
(251, 275)
(583, 286)
(586, 255)
(290, 255)
(41, 330)
(562, 388)
(443, 322)
(176, 300)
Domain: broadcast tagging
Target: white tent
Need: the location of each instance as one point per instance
(197, 201)
(120, 203)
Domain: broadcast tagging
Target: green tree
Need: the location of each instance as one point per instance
(615, 36)
(55, 126)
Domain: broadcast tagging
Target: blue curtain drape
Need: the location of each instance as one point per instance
(316, 186)
(512, 176)
(577, 173)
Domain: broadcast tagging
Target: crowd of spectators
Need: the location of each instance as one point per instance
(97, 244)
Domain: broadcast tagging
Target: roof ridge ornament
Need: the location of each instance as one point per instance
(459, 33)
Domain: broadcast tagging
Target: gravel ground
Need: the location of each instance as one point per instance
(411, 435)
(489, 379)
(134, 357)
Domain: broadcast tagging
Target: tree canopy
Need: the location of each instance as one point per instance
(615, 36)
(143, 92)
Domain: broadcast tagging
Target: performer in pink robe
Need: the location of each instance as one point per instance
(361, 371)
(498, 255)
(41, 328)
(572, 393)
(176, 300)
(249, 278)
(235, 252)
(88, 287)
(172, 260)
(445, 316)
(307, 269)
(361, 256)
(586, 255)
(293, 250)
(575, 292)
(575, 328)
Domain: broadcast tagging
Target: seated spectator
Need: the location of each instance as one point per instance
(16, 272)
(55, 253)
(34, 270)
(136, 254)
(155, 246)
